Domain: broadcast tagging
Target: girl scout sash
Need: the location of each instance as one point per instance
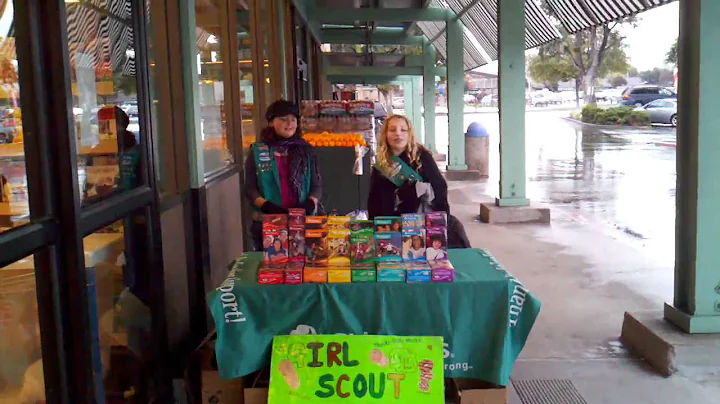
(400, 172)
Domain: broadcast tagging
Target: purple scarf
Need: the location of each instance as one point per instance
(298, 151)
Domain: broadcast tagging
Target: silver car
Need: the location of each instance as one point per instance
(662, 111)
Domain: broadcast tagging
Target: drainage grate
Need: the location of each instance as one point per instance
(554, 391)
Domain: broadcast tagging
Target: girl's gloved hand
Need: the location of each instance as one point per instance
(309, 206)
(272, 209)
(407, 191)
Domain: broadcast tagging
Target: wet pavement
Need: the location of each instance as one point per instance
(620, 179)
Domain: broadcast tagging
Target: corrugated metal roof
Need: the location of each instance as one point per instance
(579, 15)
(481, 22)
(471, 56)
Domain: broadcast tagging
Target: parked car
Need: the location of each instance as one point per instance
(611, 95)
(641, 95)
(662, 111)
(490, 100)
(545, 98)
(380, 114)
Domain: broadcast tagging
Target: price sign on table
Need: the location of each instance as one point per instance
(354, 369)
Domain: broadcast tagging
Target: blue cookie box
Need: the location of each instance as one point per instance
(391, 275)
(419, 276)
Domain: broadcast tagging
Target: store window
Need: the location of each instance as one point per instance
(105, 97)
(265, 27)
(21, 371)
(208, 15)
(118, 291)
(13, 179)
(245, 66)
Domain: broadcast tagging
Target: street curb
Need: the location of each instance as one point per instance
(593, 125)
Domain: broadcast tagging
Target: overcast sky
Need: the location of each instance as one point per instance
(647, 43)
(655, 33)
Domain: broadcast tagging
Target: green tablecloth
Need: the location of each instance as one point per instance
(485, 316)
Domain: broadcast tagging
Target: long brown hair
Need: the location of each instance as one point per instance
(384, 154)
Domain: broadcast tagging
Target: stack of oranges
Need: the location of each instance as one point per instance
(326, 139)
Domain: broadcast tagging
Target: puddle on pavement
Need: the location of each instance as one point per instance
(624, 178)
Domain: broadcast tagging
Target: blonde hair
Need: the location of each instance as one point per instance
(413, 148)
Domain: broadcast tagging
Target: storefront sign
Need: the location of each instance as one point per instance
(354, 368)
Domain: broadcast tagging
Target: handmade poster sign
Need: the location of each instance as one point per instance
(356, 369)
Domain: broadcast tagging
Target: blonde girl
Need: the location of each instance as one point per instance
(389, 194)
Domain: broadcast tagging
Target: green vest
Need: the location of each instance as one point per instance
(269, 179)
(129, 161)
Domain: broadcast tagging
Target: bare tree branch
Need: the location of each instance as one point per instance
(569, 52)
(579, 51)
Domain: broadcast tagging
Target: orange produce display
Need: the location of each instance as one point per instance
(326, 139)
(248, 141)
(322, 140)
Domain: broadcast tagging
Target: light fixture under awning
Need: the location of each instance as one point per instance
(480, 20)
(579, 15)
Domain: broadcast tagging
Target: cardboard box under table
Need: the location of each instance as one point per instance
(484, 317)
(216, 390)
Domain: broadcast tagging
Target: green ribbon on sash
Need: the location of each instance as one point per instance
(400, 172)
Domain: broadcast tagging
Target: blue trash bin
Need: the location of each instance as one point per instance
(477, 148)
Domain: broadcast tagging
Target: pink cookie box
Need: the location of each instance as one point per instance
(294, 276)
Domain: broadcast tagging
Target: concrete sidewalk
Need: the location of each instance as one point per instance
(586, 279)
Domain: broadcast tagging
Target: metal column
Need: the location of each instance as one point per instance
(696, 305)
(511, 47)
(455, 90)
(409, 100)
(415, 113)
(429, 97)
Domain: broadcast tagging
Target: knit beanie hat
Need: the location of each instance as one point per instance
(281, 108)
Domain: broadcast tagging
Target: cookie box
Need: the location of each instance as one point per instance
(388, 246)
(339, 275)
(384, 224)
(436, 219)
(271, 276)
(294, 273)
(413, 221)
(275, 222)
(364, 275)
(315, 275)
(443, 275)
(391, 275)
(316, 222)
(419, 276)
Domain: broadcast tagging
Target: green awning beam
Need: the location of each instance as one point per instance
(340, 15)
(457, 17)
(357, 37)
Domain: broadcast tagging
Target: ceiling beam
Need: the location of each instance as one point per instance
(372, 71)
(350, 15)
(409, 28)
(305, 9)
(354, 37)
(372, 80)
(375, 71)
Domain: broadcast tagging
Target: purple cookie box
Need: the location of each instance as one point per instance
(435, 219)
(443, 275)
